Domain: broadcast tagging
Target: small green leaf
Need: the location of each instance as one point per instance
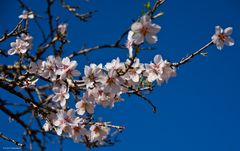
(204, 54)
(147, 5)
(143, 12)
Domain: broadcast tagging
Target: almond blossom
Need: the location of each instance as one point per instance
(61, 95)
(67, 68)
(93, 75)
(145, 29)
(78, 132)
(222, 37)
(18, 47)
(26, 15)
(64, 120)
(98, 133)
(29, 82)
(50, 67)
(134, 70)
(85, 105)
(129, 43)
(160, 70)
(62, 29)
(27, 38)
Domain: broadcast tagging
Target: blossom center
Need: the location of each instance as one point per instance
(144, 30)
(222, 37)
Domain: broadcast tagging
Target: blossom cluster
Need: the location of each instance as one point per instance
(102, 84)
(21, 45)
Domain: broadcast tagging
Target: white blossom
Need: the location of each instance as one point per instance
(27, 38)
(134, 71)
(61, 95)
(93, 75)
(67, 68)
(18, 47)
(160, 70)
(29, 82)
(36, 68)
(62, 29)
(50, 67)
(26, 15)
(47, 126)
(64, 121)
(98, 133)
(222, 37)
(145, 29)
(129, 43)
(78, 132)
(85, 105)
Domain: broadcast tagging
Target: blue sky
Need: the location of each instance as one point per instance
(197, 110)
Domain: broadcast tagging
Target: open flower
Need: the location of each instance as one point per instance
(134, 71)
(18, 47)
(98, 133)
(61, 95)
(50, 67)
(145, 29)
(64, 121)
(67, 69)
(85, 105)
(93, 74)
(160, 70)
(27, 38)
(222, 37)
(26, 15)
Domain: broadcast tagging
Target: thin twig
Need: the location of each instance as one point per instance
(189, 57)
(11, 140)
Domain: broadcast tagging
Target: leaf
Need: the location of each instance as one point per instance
(147, 5)
(159, 15)
(143, 12)
(204, 54)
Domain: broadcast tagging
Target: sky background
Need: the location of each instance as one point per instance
(197, 110)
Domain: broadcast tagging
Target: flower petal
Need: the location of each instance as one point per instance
(228, 31)
(229, 41)
(151, 38)
(136, 27)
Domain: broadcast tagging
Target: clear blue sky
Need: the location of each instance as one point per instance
(198, 110)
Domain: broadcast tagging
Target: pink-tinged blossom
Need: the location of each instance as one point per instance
(27, 38)
(85, 105)
(99, 133)
(102, 97)
(67, 69)
(36, 68)
(62, 29)
(26, 15)
(64, 121)
(160, 70)
(134, 71)
(18, 47)
(222, 37)
(50, 67)
(78, 132)
(61, 95)
(144, 29)
(112, 82)
(93, 74)
(47, 126)
(29, 82)
(129, 43)
(115, 65)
